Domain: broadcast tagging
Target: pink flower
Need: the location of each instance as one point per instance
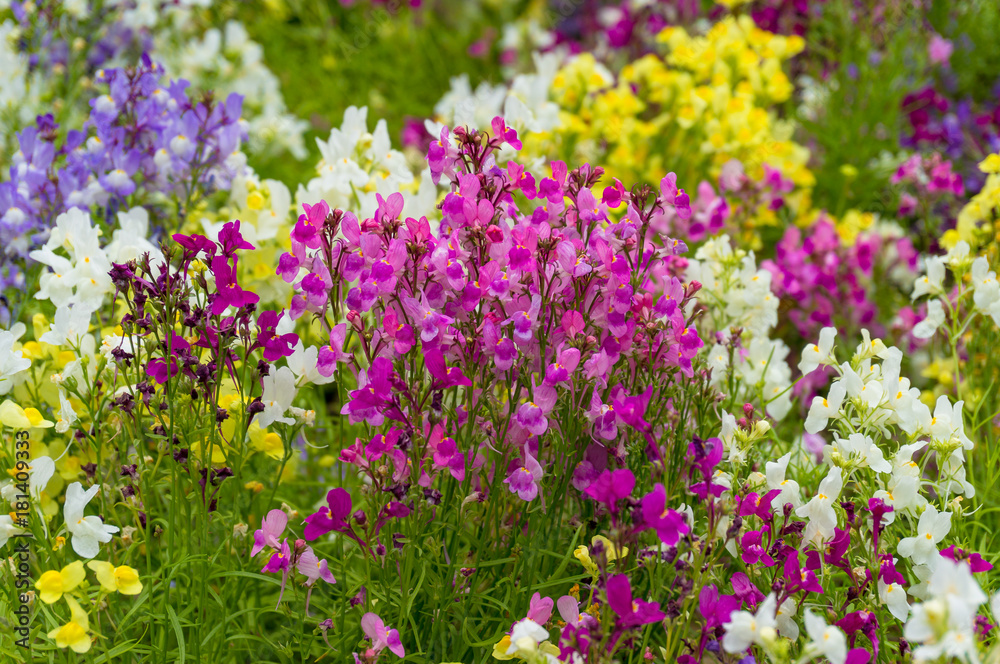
(525, 479)
(270, 529)
(939, 50)
(381, 637)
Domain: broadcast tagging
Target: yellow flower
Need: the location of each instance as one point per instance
(500, 648)
(13, 416)
(582, 554)
(610, 550)
(123, 578)
(52, 584)
(991, 164)
(73, 634)
(36, 419)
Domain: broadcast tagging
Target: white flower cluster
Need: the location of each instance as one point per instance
(985, 290)
(739, 294)
(357, 165)
(525, 104)
(78, 281)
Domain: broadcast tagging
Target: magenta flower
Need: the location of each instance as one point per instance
(563, 368)
(976, 562)
(672, 196)
(525, 479)
(373, 396)
(381, 637)
(161, 369)
(502, 131)
(611, 487)
(532, 415)
(276, 346)
(280, 560)
(228, 292)
(231, 240)
(631, 612)
(306, 231)
(444, 376)
(668, 524)
(754, 550)
(746, 591)
(799, 578)
(270, 529)
(760, 506)
(332, 518)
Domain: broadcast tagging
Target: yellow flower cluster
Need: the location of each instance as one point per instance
(706, 100)
(977, 220)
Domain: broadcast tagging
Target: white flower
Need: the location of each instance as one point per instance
(944, 625)
(745, 628)
(826, 640)
(947, 423)
(926, 328)
(12, 362)
(819, 510)
(7, 529)
(67, 416)
(817, 354)
(984, 282)
(71, 322)
(933, 281)
(894, 596)
(526, 639)
(859, 384)
(863, 450)
(42, 470)
(302, 362)
(784, 619)
(902, 494)
(931, 529)
(775, 474)
(279, 391)
(87, 532)
(822, 409)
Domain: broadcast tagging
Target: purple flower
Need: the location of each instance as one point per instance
(754, 550)
(759, 506)
(280, 560)
(329, 356)
(532, 415)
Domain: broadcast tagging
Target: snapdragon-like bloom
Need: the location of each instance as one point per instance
(381, 636)
(921, 548)
(271, 528)
(631, 612)
(87, 532)
(525, 479)
(819, 510)
(744, 629)
(331, 518)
